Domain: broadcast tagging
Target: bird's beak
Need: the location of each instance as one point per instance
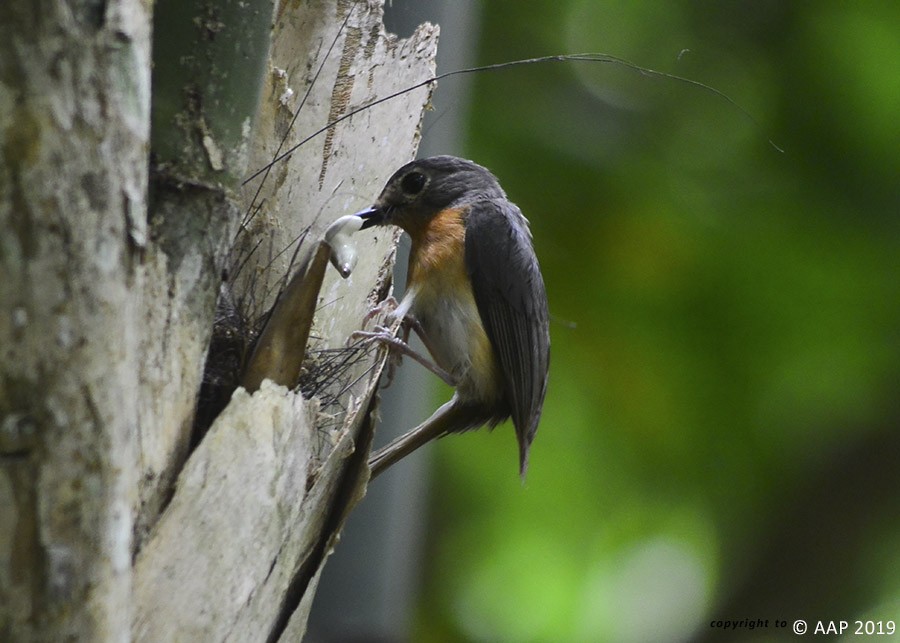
(371, 217)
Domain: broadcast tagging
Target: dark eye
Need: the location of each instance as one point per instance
(412, 183)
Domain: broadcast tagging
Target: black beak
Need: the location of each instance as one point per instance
(371, 217)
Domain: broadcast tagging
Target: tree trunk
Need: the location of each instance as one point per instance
(118, 519)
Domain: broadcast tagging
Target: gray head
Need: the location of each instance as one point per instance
(421, 189)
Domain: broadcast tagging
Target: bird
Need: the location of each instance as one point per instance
(476, 297)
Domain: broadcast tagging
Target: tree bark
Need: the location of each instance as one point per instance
(111, 526)
(74, 106)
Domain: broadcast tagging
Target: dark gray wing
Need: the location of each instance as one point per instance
(509, 291)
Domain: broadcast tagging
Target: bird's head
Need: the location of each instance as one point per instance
(420, 190)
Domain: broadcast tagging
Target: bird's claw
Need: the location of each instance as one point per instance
(378, 333)
(388, 339)
(393, 333)
(385, 307)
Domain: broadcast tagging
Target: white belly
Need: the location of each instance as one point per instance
(456, 340)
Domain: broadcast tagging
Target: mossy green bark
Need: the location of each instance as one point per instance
(208, 62)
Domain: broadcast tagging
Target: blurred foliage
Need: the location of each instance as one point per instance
(720, 439)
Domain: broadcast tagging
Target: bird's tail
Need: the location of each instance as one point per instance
(451, 417)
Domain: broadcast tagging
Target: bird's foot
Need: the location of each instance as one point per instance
(385, 307)
(387, 338)
(397, 347)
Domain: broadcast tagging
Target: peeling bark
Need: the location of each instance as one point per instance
(107, 305)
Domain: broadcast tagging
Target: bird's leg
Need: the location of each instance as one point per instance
(387, 307)
(400, 346)
(411, 323)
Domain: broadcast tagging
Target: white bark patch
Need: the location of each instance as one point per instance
(238, 500)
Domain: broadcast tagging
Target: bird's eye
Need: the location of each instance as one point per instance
(412, 183)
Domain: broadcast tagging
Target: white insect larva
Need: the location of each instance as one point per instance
(343, 252)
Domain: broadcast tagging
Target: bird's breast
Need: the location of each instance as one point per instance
(444, 305)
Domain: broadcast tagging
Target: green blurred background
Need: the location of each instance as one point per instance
(720, 438)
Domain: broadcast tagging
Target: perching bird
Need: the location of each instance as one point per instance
(474, 294)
